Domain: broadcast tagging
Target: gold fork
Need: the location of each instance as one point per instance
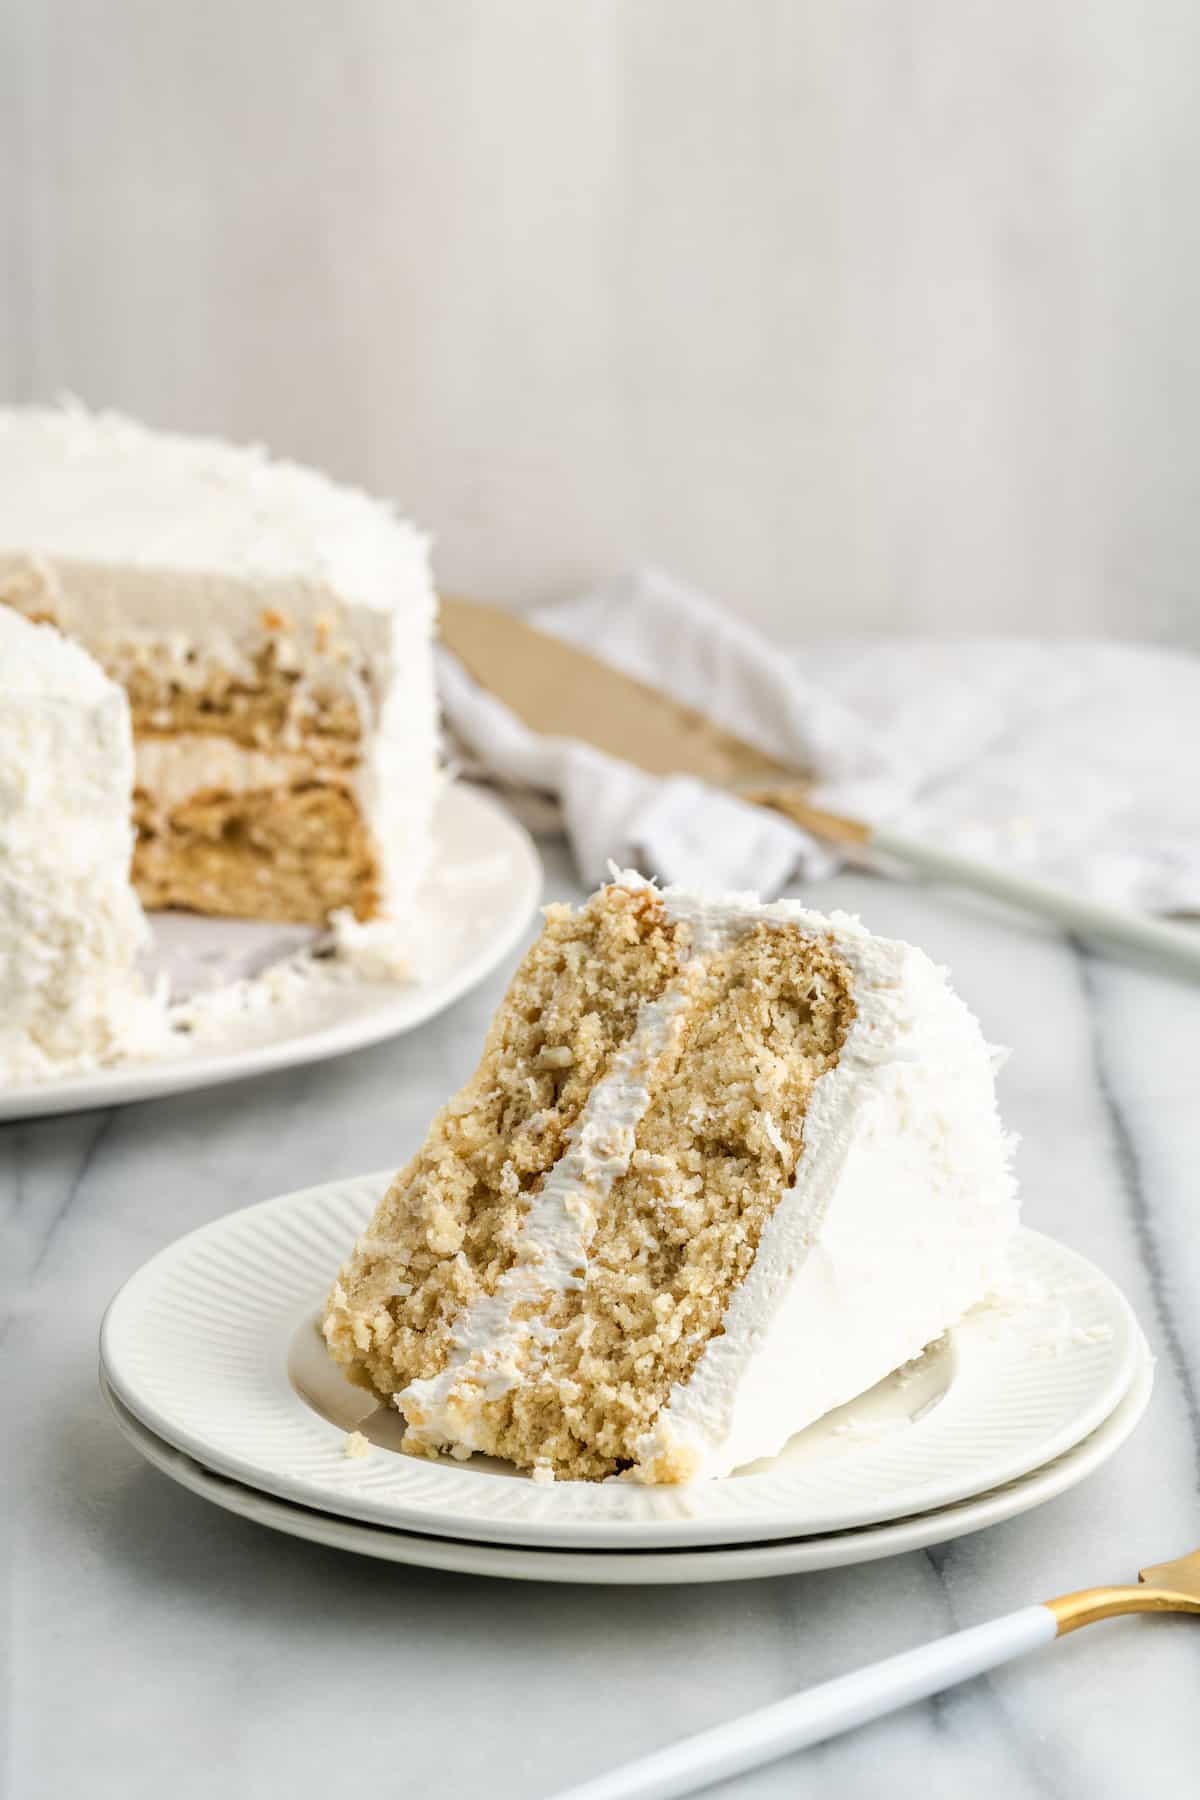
(1165, 1587)
(835, 1706)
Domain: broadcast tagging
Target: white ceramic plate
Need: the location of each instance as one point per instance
(213, 1345)
(484, 882)
(747, 1562)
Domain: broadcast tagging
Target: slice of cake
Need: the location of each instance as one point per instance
(722, 1167)
(71, 929)
(273, 632)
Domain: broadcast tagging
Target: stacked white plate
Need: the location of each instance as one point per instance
(215, 1370)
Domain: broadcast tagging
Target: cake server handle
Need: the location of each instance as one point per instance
(822, 1712)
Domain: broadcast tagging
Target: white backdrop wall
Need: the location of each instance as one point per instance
(863, 314)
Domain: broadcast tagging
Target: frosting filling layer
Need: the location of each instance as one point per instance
(172, 770)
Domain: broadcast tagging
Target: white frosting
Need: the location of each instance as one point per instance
(100, 489)
(897, 1221)
(71, 928)
(171, 769)
(186, 554)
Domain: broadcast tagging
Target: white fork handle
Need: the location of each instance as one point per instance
(822, 1712)
(1177, 944)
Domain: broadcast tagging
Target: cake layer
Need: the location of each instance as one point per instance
(230, 830)
(642, 1316)
(267, 706)
(292, 853)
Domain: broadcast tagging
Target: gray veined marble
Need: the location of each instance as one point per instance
(154, 1644)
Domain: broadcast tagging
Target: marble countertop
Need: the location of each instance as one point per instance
(155, 1644)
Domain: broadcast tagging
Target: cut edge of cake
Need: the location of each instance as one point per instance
(722, 1167)
(273, 631)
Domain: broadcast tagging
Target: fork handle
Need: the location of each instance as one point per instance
(822, 1712)
(1177, 944)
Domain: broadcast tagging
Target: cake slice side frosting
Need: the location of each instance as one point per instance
(898, 1222)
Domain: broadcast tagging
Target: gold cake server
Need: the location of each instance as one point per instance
(558, 690)
(835, 1706)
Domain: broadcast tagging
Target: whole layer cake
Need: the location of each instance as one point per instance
(273, 633)
(722, 1167)
(71, 929)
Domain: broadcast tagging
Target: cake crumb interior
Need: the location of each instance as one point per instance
(448, 1228)
(295, 853)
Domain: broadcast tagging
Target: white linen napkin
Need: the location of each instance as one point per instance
(1078, 761)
